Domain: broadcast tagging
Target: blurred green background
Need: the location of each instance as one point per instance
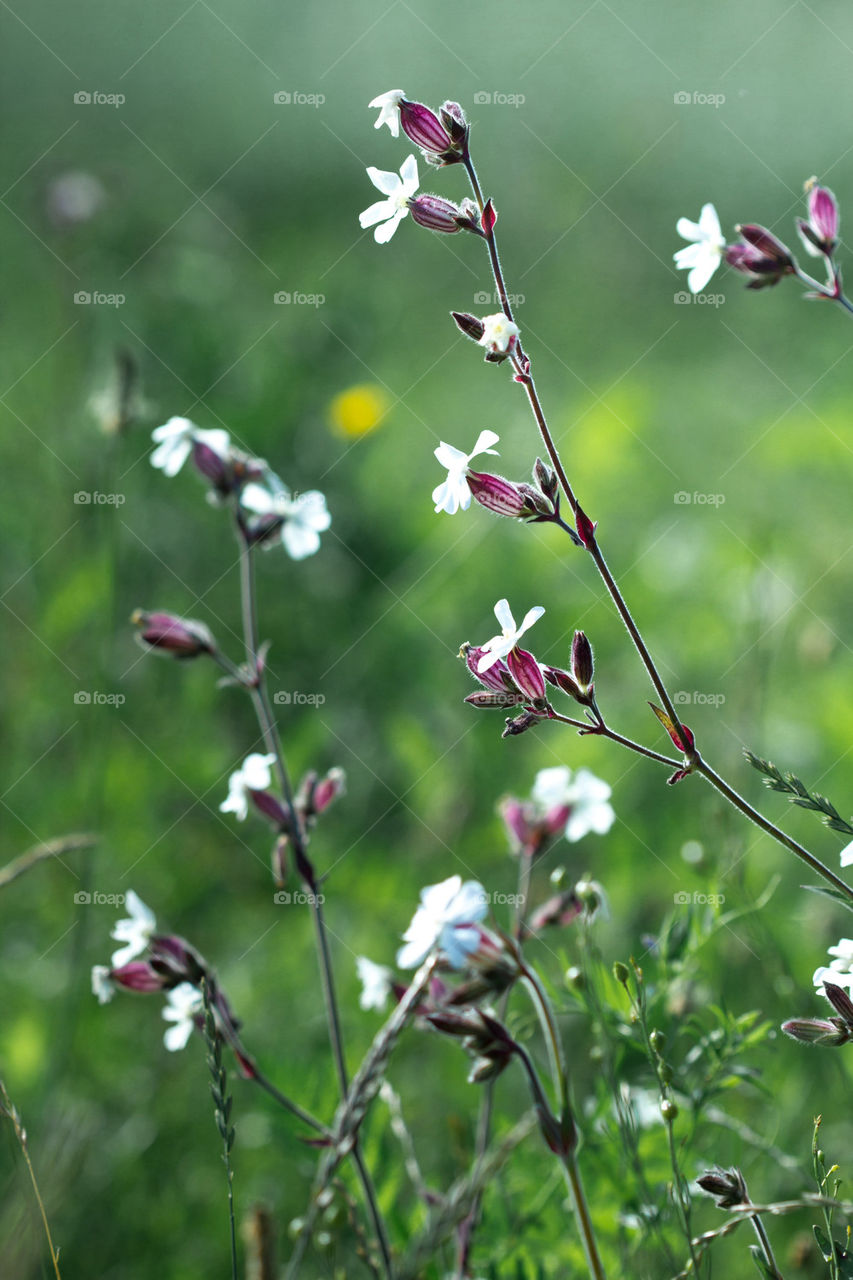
(197, 199)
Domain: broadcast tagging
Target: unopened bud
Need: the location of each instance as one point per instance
(525, 671)
(762, 256)
(582, 663)
(182, 637)
(442, 140)
(470, 325)
(501, 496)
(727, 1186)
(436, 214)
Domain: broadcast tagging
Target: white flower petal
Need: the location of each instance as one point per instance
(377, 213)
(385, 230)
(388, 183)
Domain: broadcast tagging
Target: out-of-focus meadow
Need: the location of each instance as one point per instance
(713, 442)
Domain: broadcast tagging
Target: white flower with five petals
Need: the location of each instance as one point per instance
(499, 333)
(445, 921)
(704, 255)
(500, 646)
(397, 190)
(389, 110)
(453, 492)
(585, 795)
(840, 970)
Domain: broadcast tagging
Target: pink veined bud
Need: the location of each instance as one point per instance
(497, 677)
(271, 807)
(181, 637)
(499, 495)
(436, 214)
(491, 700)
(424, 128)
(525, 671)
(830, 1032)
(139, 976)
(761, 256)
(328, 789)
(562, 680)
(823, 215)
(469, 325)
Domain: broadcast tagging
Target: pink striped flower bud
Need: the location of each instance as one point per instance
(436, 214)
(525, 671)
(820, 233)
(182, 637)
(582, 662)
(442, 140)
(140, 976)
(762, 256)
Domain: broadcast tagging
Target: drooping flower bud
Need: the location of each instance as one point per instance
(505, 498)
(762, 256)
(139, 976)
(726, 1185)
(824, 1031)
(437, 214)
(182, 637)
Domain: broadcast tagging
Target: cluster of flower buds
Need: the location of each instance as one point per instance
(831, 1032)
(483, 1037)
(761, 256)
(516, 681)
(442, 136)
(150, 963)
(168, 634)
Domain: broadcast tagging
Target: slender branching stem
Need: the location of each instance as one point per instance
(693, 761)
(10, 1111)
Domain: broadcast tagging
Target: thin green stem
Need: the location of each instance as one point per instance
(272, 740)
(580, 1208)
(8, 1108)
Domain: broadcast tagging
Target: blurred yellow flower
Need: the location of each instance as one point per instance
(359, 410)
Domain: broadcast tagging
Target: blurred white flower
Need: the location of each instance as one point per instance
(375, 983)
(389, 110)
(134, 931)
(500, 646)
(253, 775)
(499, 333)
(305, 516)
(446, 920)
(397, 190)
(846, 856)
(175, 440)
(840, 970)
(182, 1004)
(453, 492)
(704, 255)
(585, 795)
(102, 984)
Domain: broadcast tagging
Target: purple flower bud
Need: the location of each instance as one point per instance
(470, 325)
(497, 677)
(436, 214)
(271, 807)
(487, 700)
(328, 789)
(762, 256)
(179, 636)
(726, 1185)
(823, 216)
(582, 661)
(213, 467)
(500, 495)
(139, 976)
(425, 129)
(525, 671)
(560, 910)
